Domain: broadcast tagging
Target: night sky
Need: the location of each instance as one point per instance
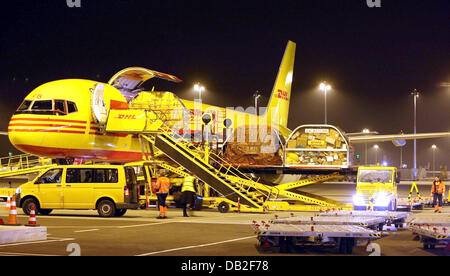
(373, 57)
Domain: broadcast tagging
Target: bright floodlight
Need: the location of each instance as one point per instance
(366, 130)
(434, 147)
(376, 147)
(199, 88)
(324, 87)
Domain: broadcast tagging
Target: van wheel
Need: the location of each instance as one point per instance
(28, 203)
(106, 208)
(120, 212)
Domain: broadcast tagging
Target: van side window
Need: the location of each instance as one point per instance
(106, 176)
(79, 176)
(73, 176)
(51, 176)
(99, 176)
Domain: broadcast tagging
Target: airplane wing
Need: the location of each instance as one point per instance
(396, 137)
(361, 133)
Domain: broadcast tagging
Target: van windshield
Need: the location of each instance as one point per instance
(51, 176)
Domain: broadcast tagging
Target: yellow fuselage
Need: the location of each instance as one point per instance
(70, 134)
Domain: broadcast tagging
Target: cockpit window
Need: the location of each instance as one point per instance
(42, 105)
(25, 105)
(72, 107)
(47, 107)
(60, 106)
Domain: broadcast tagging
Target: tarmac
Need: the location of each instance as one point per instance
(205, 233)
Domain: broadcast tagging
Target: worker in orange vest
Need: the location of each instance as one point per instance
(437, 190)
(161, 189)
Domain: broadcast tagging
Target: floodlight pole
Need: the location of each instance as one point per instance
(415, 93)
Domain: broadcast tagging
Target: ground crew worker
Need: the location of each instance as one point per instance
(188, 194)
(437, 190)
(161, 188)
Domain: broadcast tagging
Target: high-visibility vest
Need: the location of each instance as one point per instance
(439, 188)
(163, 185)
(188, 184)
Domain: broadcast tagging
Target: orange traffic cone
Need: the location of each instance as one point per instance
(32, 220)
(8, 203)
(12, 219)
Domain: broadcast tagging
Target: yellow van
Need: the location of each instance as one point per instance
(111, 189)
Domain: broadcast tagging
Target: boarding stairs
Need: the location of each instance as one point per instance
(23, 164)
(192, 162)
(230, 182)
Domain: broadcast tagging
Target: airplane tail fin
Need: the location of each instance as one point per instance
(278, 107)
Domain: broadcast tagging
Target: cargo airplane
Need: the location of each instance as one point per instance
(65, 119)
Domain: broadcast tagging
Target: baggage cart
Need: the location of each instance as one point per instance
(432, 235)
(441, 220)
(410, 204)
(287, 236)
(369, 222)
(391, 217)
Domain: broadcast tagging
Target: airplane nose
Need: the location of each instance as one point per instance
(23, 137)
(16, 137)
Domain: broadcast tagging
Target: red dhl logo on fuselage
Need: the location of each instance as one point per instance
(126, 116)
(282, 95)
